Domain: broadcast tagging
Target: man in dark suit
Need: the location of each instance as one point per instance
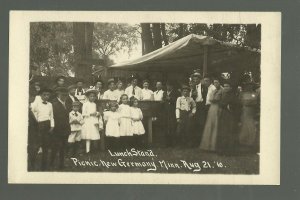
(169, 98)
(62, 128)
(71, 98)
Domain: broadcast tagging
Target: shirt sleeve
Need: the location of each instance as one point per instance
(105, 117)
(51, 116)
(34, 108)
(127, 91)
(193, 106)
(81, 120)
(70, 118)
(105, 96)
(177, 112)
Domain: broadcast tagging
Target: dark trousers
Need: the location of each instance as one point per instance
(113, 142)
(138, 141)
(184, 128)
(58, 146)
(34, 143)
(170, 131)
(45, 136)
(32, 154)
(199, 122)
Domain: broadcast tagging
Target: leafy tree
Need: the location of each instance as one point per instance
(110, 39)
(51, 51)
(240, 34)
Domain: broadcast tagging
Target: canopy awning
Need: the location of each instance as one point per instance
(190, 52)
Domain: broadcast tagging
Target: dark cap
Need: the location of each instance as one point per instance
(185, 87)
(45, 89)
(196, 73)
(72, 87)
(132, 77)
(111, 80)
(60, 77)
(76, 103)
(61, 90)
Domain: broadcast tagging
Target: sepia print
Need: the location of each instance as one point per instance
(150, 98)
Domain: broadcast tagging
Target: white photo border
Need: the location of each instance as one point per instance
(269, 169)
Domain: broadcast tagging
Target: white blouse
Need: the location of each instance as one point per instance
(158, 95)
(147, 94)
(111, 95)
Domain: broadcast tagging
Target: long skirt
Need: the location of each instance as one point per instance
(209, 138)
(248, 132)
(226, 141)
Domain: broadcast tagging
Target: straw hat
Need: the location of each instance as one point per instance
(91, 90)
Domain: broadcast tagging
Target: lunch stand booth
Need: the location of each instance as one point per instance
(177, 61)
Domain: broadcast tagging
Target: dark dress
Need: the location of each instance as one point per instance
(226, 140)
(61, 131)
(249, 130)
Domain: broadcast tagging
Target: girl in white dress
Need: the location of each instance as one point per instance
(137, 125)
(137, 116)
(90, 128)
(125, 120)
(112, 128)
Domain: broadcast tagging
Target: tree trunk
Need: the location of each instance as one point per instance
(253, 35)
(157, 36)
(82, 40)
(180, 31)
(147, 38)
(163, 32)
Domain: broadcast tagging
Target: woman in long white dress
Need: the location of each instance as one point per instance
(90, 128)
(210, 133)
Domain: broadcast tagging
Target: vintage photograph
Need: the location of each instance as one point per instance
(149, 98)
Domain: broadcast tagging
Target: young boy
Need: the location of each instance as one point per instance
(43, 112)
(33, 136)
(185, 110)
(76, 120)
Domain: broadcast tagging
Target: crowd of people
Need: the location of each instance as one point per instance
(209, 113)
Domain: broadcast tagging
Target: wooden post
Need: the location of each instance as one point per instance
(205, 60)
(149, 130)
